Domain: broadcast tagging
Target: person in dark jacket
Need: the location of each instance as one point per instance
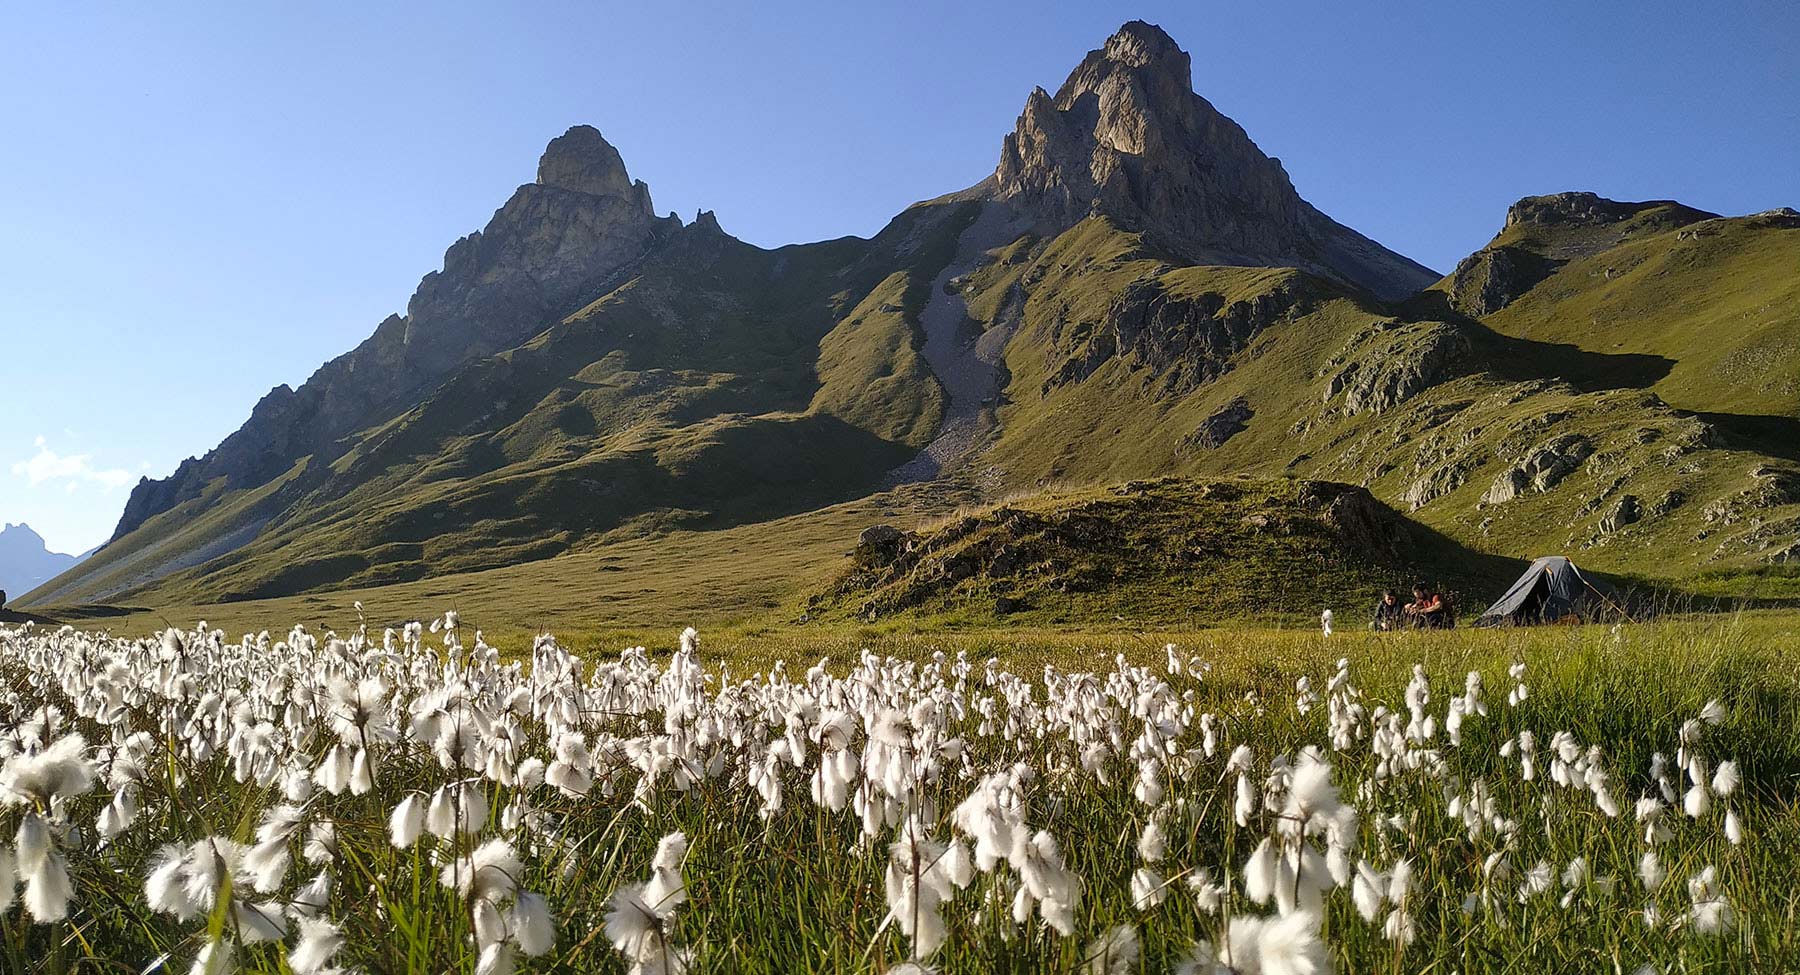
(1389, 613)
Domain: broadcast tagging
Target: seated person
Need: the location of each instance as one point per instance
(1428, 609)
(1389, 613)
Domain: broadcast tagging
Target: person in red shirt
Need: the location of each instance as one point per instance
(1428, 610)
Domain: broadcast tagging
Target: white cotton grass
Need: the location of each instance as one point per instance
(1251, 945)
(1065, 815)
(638, 921)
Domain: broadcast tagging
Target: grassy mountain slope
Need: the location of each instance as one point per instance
(1123, 365)
(720, 383)
(1717, 300)
(729, 385)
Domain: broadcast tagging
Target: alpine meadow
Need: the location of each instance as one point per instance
(991, 594)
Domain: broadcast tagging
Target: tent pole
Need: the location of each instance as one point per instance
(1609, 602)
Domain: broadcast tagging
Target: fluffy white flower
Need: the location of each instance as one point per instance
(318, 943)
(1113, 953)
(1283, 945)
(407, 821)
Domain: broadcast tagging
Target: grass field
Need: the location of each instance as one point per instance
(1497, 872)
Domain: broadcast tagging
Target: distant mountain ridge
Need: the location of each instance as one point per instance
(26, 562)
(1136, 290)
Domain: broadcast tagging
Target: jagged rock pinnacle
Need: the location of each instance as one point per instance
(582, 160)
(1127, 137)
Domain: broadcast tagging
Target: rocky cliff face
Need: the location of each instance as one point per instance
(1126, 136)
(548, 249)
(1179, 342)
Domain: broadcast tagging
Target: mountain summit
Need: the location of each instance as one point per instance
(583, 161)
(1127, 137)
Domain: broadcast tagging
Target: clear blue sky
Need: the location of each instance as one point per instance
(202, 203)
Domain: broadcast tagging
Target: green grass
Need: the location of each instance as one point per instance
(1720, 303)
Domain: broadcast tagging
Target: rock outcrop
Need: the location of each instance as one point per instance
(1180, 340)
(1542, 468)
(1490, 279)
(1127, 137)
(1222, 425)
(1384, 368)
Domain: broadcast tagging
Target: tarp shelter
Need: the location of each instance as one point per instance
(1553, 589)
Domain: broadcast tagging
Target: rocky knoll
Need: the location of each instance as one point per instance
(1162, 548)
(552, 245)
(1126, 136)
(1543, 233)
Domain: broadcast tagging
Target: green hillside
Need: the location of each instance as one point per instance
(720, 384)
(1122, 365)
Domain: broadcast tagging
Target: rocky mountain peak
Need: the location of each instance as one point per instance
(1141, 45)
(1126, 136)
(583, 161)
(549, 249)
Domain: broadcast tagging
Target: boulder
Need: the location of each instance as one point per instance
(878, 545)
(1542, 468)
(1625, 511)
(1222, 425)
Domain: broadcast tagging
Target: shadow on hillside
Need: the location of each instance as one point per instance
(755, 469)
(1520, 360)
(1777, 436)
(1471, 578)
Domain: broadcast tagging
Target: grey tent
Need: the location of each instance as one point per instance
(1552, 589)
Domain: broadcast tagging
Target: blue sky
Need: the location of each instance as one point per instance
(203, 202)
